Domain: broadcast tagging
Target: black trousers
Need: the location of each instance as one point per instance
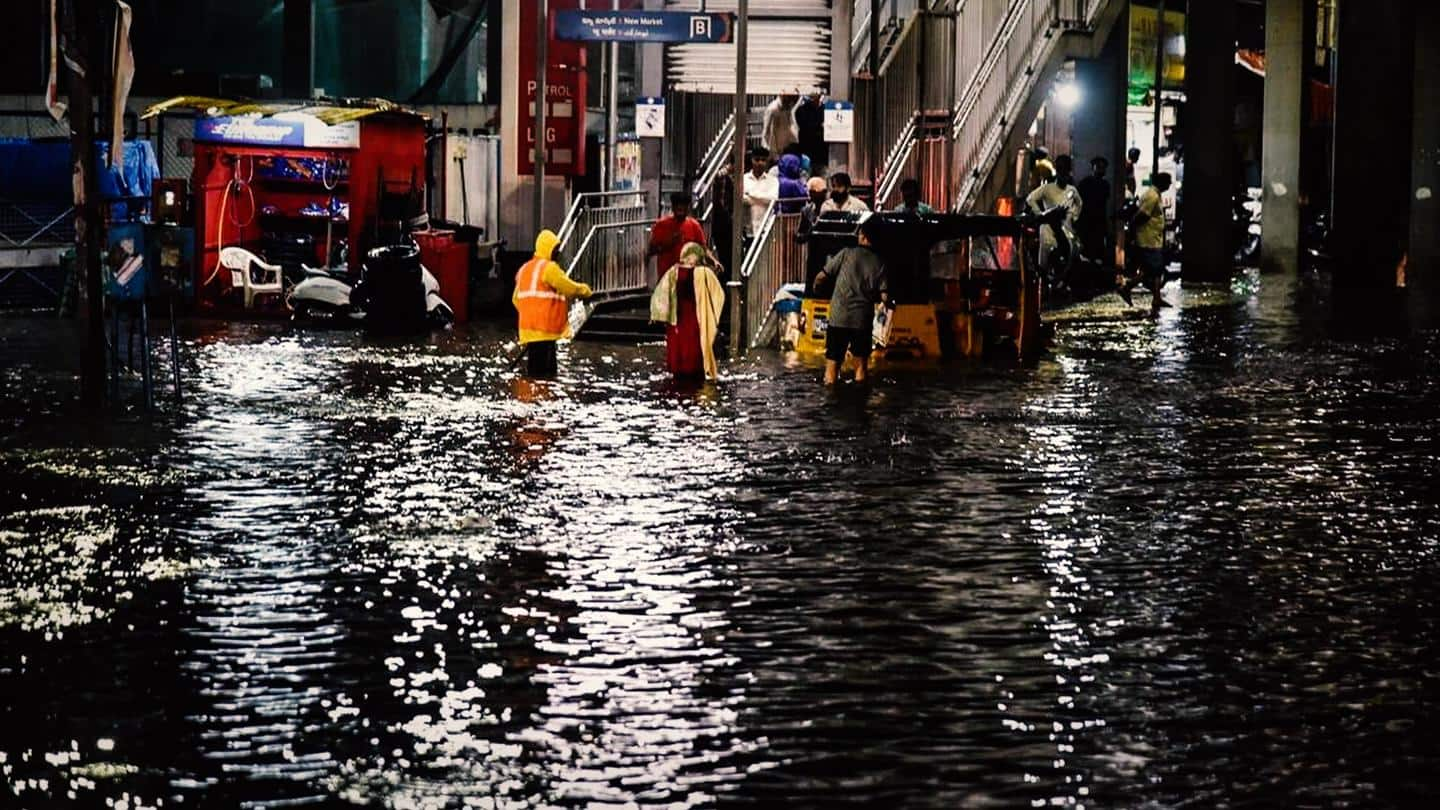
(540, 359)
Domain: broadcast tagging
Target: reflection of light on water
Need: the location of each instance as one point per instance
(260, 622)
(626, 710)
(1056, 450)
(587, 685)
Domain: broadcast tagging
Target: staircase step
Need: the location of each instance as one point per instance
(630, 338)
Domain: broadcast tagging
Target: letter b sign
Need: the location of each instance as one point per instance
(700, 28)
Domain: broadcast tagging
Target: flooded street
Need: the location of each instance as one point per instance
(1191, 562)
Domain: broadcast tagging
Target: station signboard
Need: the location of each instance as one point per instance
(644, 26)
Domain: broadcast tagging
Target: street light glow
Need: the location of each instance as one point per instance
(1068, 95)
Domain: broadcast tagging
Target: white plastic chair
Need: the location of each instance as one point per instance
(239, 261)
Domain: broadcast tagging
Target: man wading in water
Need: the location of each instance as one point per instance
(859, 284)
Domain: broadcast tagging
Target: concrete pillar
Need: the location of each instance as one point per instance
(1099, 120)
(1284, 102)
(1209, 141)
(1374, 98)
(1422, 271)
(842, 22)
(517, 193)
(841, 29)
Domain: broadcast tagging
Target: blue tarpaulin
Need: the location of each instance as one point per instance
(39, 171)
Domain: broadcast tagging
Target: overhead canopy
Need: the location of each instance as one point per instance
(329, 113)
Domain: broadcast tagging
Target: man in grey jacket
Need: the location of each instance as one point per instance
(859, 284)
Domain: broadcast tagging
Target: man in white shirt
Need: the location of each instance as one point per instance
(780, 129)
(840, 197)
(761, 188)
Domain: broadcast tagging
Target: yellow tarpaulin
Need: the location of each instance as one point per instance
(330, 114)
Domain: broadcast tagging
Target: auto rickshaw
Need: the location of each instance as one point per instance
(965, 285)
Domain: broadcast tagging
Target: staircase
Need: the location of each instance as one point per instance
(949, 128)
(1032, 43)
(624, 320)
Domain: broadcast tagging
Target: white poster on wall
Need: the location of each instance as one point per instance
(839, 122)
(650, 117)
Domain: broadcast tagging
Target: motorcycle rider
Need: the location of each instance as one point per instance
(542, 299)
(1057, 244)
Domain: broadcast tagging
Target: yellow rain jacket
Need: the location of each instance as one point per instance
(542, 293)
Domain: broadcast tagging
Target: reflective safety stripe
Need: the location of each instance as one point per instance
(543, 310)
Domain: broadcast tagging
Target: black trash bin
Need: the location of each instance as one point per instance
(394, 291)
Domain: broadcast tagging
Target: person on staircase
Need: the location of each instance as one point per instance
(779, 128)
(690, 300)
(840, 197)
(810, 124)
(670, 233)
(542, 298)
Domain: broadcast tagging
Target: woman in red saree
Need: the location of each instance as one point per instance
(689, 299)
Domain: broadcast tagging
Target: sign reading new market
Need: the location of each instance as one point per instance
(643, 26)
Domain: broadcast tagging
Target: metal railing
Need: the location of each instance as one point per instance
(1003, 80)
(916, 97)
(897, 91)
(890, 12)
(611, 258)
(712, 165)
(774, 260)
(26, 224)
(593, 209)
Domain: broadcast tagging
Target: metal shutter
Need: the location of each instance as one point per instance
(760, 8)
(789, 50)
(783, 56)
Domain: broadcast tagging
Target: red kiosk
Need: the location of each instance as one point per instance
(290, 182)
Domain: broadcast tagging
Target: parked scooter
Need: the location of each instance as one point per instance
(326, 296)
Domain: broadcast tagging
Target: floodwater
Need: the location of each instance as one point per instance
(1190, 562)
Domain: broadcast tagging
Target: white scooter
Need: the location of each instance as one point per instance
(326, 296)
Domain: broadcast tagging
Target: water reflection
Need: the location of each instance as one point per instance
(1178, 561)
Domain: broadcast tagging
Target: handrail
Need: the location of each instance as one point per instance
(585, 244)
(714, 159)
(762, 236)
(889, 180)
(1005, 93)
(905, 30)
(567, 226)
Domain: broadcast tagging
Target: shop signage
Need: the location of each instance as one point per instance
(643, 26)
(650, 117)
(564, 136)
(1144, 39)
(839, 122)
(302, 131)
(627, 164)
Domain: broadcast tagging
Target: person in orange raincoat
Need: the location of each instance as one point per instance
(542, 298)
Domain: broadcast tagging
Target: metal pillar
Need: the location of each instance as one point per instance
(542, 41)
(737, 160)
(82, 22)
(877, 104)
(1159, 89)
(612, 110)
(1284, 102)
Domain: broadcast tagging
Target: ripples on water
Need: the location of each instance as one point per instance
(1185, 563)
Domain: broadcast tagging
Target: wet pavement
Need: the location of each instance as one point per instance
(1190, 562)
